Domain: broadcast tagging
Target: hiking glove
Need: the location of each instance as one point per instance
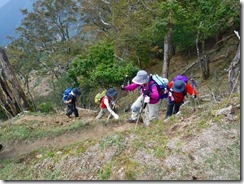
(147, 92)
(122, 87)
(116, 116)
(194, 96)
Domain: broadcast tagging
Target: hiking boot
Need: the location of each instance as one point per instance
(141, 120)
(166, 119)
(131, 120)
(69, 116)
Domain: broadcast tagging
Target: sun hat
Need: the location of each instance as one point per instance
(141, 77)
(76, 91)
(111, 92)
(178, 86)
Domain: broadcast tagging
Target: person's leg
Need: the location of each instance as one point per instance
(69, 112)
(177, 107)
(76, 112)
(152, 111)
(100, 114)
(169, 109)
(136, 107)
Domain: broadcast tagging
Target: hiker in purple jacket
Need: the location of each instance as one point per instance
(142, 79)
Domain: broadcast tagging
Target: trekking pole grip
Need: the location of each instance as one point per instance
(125, 79)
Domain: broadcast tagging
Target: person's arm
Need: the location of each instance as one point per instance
(131, 87)
(170, 95)
(106, 102)
(190, 90)
(170, 84)
(69, 100)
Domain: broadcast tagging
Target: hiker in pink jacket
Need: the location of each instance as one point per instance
(148, 91)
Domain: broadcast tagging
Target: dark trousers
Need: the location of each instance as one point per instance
(71, 110)
(172, 108)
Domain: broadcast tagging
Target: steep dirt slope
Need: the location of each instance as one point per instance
(59, 119)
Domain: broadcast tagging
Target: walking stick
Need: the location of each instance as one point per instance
(109, 116)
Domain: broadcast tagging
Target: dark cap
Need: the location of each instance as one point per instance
(76, 91)
(111, 92)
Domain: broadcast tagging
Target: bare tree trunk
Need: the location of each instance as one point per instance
(203, 59)
(204, 65)
(167, 51)
(231, 72)
(28, 92)
(8, 103)
(13, 97)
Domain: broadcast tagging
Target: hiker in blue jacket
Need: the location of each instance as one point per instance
(71, 103)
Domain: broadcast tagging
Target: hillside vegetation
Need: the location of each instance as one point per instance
(201, 143)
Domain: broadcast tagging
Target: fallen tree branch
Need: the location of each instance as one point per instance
(219, 58)
(189, 67)
(219, 42)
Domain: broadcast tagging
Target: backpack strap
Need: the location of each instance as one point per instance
(151, 85)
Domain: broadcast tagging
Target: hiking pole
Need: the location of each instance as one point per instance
(109, 116)
(124, 81)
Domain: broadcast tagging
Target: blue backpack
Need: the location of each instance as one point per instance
(66, 94)
(161, 85)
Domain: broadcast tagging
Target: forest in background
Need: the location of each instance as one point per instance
(92, 45)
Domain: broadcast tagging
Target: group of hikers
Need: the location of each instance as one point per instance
(175, 91)
(149, 98)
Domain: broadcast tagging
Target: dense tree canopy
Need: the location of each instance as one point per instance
(99, 67)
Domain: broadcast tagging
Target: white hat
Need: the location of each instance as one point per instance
(141, 77)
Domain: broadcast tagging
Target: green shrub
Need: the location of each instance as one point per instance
(46, 107)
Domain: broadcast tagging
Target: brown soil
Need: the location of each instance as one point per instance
(68, 138)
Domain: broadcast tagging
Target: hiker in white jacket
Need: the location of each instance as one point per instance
(105, 104)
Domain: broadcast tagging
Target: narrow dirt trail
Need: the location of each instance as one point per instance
(68, 138)
(71, 138)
